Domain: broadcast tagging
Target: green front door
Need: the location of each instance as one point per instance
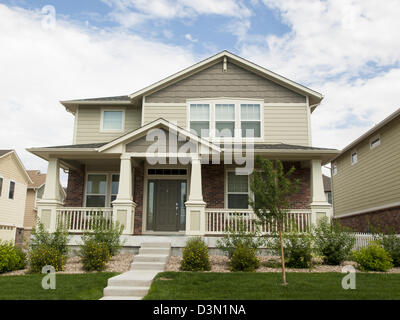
(166, 209)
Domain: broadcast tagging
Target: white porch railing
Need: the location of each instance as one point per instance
(82, 219)
(220, 220)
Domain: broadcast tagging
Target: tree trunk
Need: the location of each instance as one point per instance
(282, 257)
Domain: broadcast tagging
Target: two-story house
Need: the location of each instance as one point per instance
(163, 160)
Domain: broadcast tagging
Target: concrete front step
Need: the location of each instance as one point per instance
(153, 251)
(121, 298)
(119, 291)
(150, 266)
(135, 278)
(155, 245)
(151, 258)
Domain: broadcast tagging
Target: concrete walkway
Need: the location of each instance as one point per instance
(134, 284)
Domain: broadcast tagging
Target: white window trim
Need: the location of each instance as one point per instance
(333, 169)
(9, 188)
(108, 175)
(249, 192)
(351, 157)
(374, 138)
(237, 102)
(102, 120)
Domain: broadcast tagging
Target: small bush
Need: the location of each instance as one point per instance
(240, 237)
(244, 259)
(95, 255)
(373, 258)
(298, 249)
(333, 242)
(195, 256)
(391, 243)
(11, 257)
(106, 232)
(44, 255)
(57, 240)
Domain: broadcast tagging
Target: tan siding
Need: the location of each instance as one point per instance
(213, 82)
(88, 124)
(375, 179)
(30, 213)
(175, 114)
(286, 125)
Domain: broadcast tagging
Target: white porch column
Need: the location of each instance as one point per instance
(123, 206)
(319, 205)
(47, 206)
(195, 206)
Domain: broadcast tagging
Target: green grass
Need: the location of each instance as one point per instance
(68, 287)
(267, 286)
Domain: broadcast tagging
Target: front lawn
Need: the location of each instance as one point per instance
(68, 287)
(267, 286)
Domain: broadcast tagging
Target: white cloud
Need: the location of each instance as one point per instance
(40, 67)
(189, 37)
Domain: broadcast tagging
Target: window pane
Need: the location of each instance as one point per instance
(1, 185)
(200, 112)
(96, 184)
(150, 209)
(250, 112)
(237, 201)
(114, 184)
(11, 191)
(200, 128)
(182, 219)
(224, 129)
(96, 201)
(237, 183)
(251, 129)
(112, 120)
(225, 112)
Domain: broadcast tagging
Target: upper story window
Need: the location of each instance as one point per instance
(225, 118)
(334, 170)
(1, 185)
(354, 158)
(112, 120)
(11, 190)
(200, 119)
(376, 141)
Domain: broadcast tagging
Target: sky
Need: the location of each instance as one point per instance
(348, 50)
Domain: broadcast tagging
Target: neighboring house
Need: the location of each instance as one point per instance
(14, 181)
(34, 194)
(327, 188)
(366, 179)
(112, 161)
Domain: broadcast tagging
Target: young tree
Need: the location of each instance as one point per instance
(271, 187)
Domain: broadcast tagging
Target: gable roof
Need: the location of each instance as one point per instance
(5, 153)
(315, 97)
(38, 179)
(156, 124)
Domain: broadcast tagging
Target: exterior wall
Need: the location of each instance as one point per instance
(88, 124)
(12, 210)
(30, 212)
(283, 124)
(235, 82)
(175, 114)
(301, 199)
(75, 188)
(374, 180)
(213, 179)
(383, 220)
(138, 199)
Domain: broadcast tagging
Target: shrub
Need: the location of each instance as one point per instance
(44, 255)
(298, 249)
(106, 232)
(240, 237)
(333, 242)
(57, 240)
(95, 255)
(195, 256)
(373, 258)
(244, 259)
(391, 243)
(11, 257)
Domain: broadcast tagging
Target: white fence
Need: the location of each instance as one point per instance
(77, 220)
(362, 240)
(220, 220)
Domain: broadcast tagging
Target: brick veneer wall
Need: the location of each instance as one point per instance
(138, 198)
(212, 179)
(384, 220)
(302, 198)
(75, 188)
